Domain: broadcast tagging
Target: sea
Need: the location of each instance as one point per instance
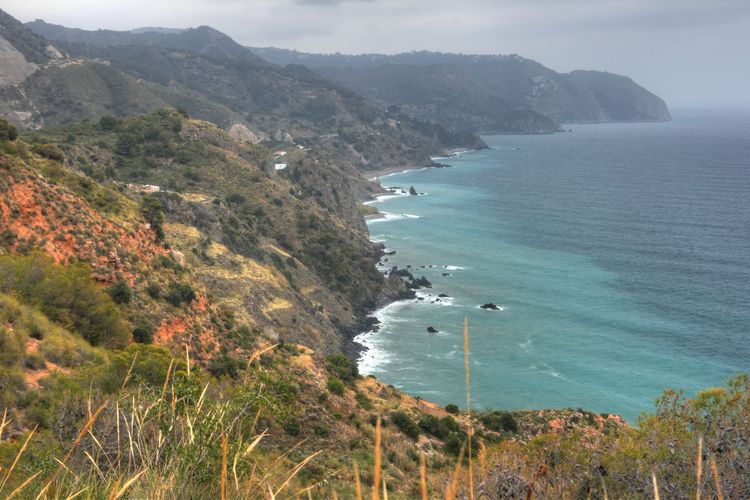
(618, 256)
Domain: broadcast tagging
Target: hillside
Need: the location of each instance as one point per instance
(210, 76)
(430, 85)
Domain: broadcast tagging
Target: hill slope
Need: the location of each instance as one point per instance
(212, 77)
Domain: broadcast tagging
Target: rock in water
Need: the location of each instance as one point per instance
(490, 307)
(413, 191)
(431, 330)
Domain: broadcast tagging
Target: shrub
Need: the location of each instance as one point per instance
(225, 366)
(143, 334)
(66, 294)
(500, 422)
(336, 386)
(8, 132)
(180, 293)
(120, 292)
(153, 212)
(363, 401)
(449, 425)
(108, 122)
(292, 426)
(343, 367)
(49, 151)
(431, 425)
(236, 199)
(153, 290)
(405, 424)
(452, 409)
(147, 365)
(321, 431)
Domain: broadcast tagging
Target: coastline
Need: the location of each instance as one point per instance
(376, 175)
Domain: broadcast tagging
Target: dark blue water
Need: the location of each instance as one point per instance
(619, 254)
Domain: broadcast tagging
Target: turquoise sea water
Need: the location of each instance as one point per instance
(619, 253)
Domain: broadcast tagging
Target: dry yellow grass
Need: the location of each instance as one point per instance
(276, 304)
(376, 473)
(469, 429)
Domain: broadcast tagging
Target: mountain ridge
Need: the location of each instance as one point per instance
(577, 96)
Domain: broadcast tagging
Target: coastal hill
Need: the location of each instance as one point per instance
(484, 93)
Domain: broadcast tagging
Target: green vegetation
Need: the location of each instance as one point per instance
(8, 131)
(500, 421)
(336, 386)
(66, 294)
(179, 293)
(405, 424)
(120, 292)
(344, 367)
(49, 151)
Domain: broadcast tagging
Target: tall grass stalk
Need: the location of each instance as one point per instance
(376, 473)
(699, 468)
(469, 427)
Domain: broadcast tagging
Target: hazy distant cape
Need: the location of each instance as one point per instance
(483, 93)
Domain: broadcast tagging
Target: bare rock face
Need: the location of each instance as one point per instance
(14, 68)
(241, 133)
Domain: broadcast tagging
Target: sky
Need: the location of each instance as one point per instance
(692, 53)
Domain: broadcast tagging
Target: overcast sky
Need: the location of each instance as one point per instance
(693, 53)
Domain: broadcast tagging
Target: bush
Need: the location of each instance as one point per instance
(405, 424)
(180, 293)
(153, 290)
(236, 199)
(147, 365)
(500, 422)
(153, 212)
(343, 367)
(336, 386)
(225, 366)
(108, 122)
(363, 401)
(8, 132)
(67, 295)
(449, 425)
(431, 425)
(120, 292)
(292, 427)
(452, 409)
(143, 334)
(49, 151)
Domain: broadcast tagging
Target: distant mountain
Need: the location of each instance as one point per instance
(157, 29)
(211, 77)
(475, 90)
